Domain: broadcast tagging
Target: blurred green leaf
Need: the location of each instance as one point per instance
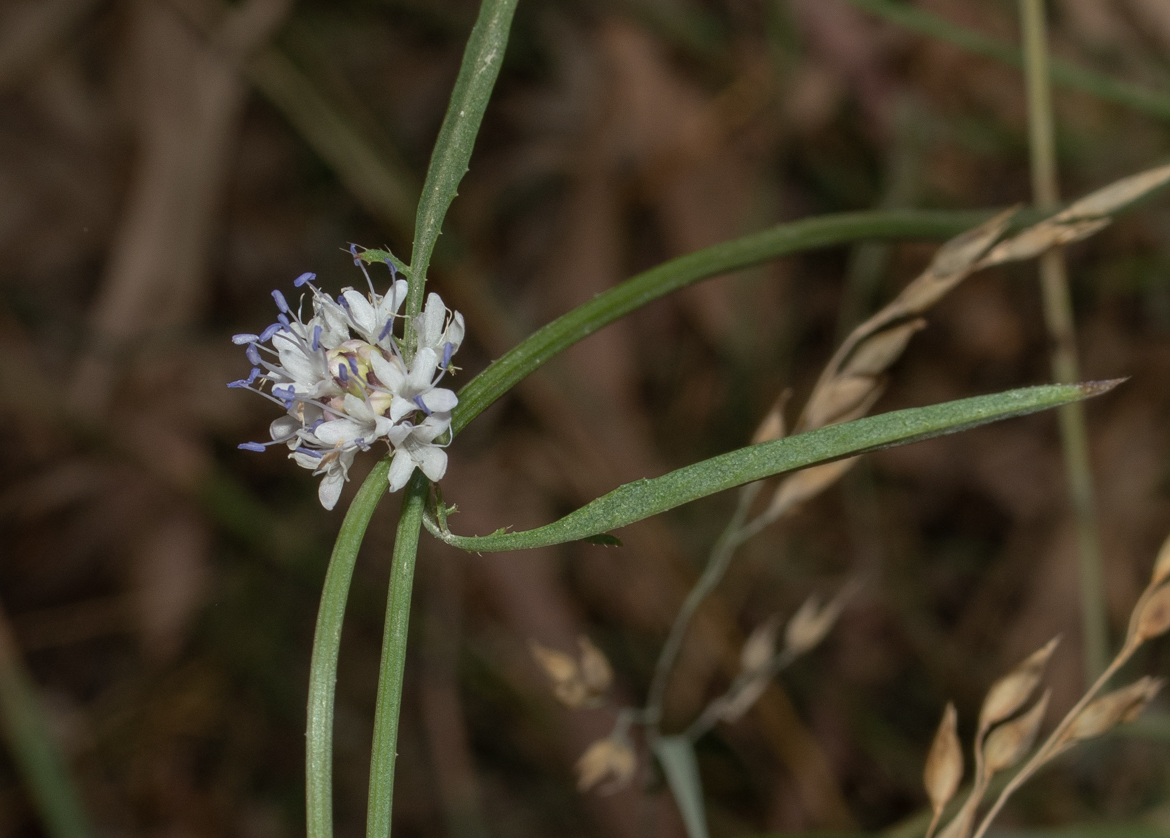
(34, 750)
(1151, 102)
(676, 754)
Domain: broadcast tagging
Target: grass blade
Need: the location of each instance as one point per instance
(644, 498)
(677, 757)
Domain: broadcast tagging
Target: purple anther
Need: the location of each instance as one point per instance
(393, 270)
(281, 302)
(353, 365)
(343, 302)
(267, 334)
(241, 384)
(253, 353)
(250, 446)
(448, 351)
(315, 425)
(421, 405)
(343, 374)
(307, 276)
(283, 321)
(316, 338)
(312, 452)
(353, 252)
(240, 340)
(285, 394)
(386, 329)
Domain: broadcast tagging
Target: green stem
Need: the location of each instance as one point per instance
(389, 706)
(1058, 317)
(326, 647)
(717, 564)
(605, 308)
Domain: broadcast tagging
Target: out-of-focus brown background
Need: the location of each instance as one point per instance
(164, 164)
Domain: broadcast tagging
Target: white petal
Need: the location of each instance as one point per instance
(432, 460)
(340, 431)
(401, 407)
(361, 311)
(422, 371)
(455, 332)
(401, 468)
(330, 489)
(440, 400)
(388, 372)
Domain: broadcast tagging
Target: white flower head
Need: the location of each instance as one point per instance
(344, 383)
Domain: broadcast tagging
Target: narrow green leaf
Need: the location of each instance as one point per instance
(477, 76)
(326, 647)
(37, 757)
(677, 757)
(643, 498)
(808, 234)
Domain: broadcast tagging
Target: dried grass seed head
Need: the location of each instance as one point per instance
(811, 622)
(944, 763)
(1007, 743)
(1161, 565)
(1009, 693)
(1154, 617)
(1120, 706)
(760, 646)
(595, 669)
(610, 758)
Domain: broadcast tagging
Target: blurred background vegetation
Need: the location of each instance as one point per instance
(164, 164)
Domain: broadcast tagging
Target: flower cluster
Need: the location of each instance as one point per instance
(345, 382)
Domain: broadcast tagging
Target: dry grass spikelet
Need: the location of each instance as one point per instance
(575, 683)
(1008, 694)
(1118, 707)
(1161, 565)
(1008, 742)
(612, 757)
(944, 765)
(1154, 618)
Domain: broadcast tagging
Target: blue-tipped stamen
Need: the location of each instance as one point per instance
(252, 353)
(240, 340)
(251, 446)
(307, 276)
(386, 329)
(267, 334)
(421, 405)
(316, 338)
(281, 302)
(448, 351)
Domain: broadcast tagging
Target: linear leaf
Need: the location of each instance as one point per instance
(677, 756)
(477, 76)
(808, 234)
(642, 498)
